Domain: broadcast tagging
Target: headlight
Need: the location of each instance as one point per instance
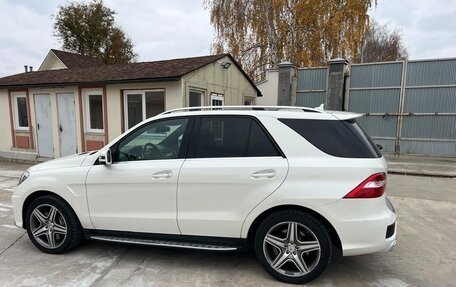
(24, 176)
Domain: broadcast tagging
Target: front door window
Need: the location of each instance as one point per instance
(156, 140)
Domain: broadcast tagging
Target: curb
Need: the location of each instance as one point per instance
(415, 173)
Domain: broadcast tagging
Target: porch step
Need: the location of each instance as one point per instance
(163, 243)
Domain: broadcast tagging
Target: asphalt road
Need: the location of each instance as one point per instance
(424, 256)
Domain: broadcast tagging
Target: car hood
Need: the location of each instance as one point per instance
(63, 162)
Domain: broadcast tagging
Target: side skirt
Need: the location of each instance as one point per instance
(169, 240)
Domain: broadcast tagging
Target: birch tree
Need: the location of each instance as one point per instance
(262, 33)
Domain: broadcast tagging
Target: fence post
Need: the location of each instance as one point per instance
(397, 146)
(334, 98)
(286, 94)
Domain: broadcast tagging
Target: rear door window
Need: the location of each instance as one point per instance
(334, 137)
(260, 143)
(232, 137)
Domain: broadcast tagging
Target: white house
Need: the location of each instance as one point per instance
(75, 103)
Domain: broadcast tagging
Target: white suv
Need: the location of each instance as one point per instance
(290, 182)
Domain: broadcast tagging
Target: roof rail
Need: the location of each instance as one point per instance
(245, 108)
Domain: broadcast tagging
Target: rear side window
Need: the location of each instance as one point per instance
(259, 142)
(232, 137)
(337, 138)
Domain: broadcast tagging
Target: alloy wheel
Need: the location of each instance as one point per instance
(48, 226)
(291, 249)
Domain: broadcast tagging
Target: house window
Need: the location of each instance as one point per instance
(20, 112)
(217, 99)
(248, 102)
(141, 105)
(94, 107)
(196, 98)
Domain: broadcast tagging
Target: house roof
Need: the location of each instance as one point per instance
(72, 60)
(167, 70)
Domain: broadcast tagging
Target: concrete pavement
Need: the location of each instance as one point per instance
(422, 165)
(425, 254)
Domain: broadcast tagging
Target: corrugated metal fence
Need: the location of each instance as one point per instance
(409, 106)
(311, 87)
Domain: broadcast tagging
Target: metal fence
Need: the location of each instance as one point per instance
(409, 106)
(311, 86)
(375, 90)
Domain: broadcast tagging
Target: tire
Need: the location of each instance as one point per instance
(279, 254)
(56, 227)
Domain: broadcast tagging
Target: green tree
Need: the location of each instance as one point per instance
(89, 29)
(261, 33)
(381, 44)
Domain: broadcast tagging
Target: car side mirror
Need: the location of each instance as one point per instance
(379, 146)
(105, 157)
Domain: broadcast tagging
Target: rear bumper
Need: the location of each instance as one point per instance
(362, 225)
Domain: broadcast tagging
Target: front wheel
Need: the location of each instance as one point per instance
(293, 246)
(52, 225)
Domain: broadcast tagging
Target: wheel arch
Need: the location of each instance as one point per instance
(34, 195)
(335, 239)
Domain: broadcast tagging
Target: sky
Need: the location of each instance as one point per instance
(173, 29)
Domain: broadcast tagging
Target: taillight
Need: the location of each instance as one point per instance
(372, 187)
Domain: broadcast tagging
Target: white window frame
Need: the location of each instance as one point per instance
(201, 92)
(16, 112)
(218, 97)
(143, 103)
(87, 111)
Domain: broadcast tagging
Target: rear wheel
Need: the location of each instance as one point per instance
(293, 246)
(52, 225)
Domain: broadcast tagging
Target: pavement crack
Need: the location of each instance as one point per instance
(108, 269)
(1, 253)
(228, 274)
(138, 268)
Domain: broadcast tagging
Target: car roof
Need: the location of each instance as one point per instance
(288, 112)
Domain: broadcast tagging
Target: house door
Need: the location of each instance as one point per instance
(44, 125)
(67, 124)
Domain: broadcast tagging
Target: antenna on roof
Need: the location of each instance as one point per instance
(320, 107)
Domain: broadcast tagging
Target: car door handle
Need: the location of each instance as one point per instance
(266, 173)
(162, 174)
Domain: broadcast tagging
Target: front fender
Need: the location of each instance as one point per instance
(68, 183)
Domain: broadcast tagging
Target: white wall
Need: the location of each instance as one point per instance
(6, 141)
(268, 88)
(213, 78)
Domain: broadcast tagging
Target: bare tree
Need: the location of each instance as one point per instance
(381, 44)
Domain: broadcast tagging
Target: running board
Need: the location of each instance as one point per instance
(163, 243)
